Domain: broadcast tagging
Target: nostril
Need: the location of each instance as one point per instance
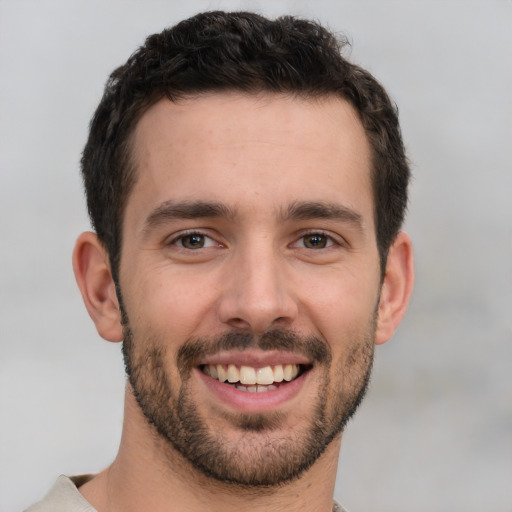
(239, 323)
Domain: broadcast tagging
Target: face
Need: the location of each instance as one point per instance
(250, 280)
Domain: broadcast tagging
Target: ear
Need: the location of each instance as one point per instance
(94, 277)
(396, 288)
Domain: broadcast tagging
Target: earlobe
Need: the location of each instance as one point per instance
(396, 288)
(94, 278)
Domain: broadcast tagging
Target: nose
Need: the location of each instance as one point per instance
(257, 293)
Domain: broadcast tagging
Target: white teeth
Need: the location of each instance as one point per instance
(278, 373)
(247, 375)
(221, 373)
(233, 373)
(250, 377)
(255, 389)
(290, 371)
(265, 375)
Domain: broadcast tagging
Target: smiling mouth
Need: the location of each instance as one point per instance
(254, 380)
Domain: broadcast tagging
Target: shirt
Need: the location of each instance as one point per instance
(65, 497)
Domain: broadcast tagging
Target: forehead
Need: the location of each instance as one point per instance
(251, 151)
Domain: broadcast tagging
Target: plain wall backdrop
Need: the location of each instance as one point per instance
(435, 432)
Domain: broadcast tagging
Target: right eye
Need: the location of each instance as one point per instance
(193, 241)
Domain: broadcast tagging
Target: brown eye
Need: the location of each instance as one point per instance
(315, 241)
(193, 241)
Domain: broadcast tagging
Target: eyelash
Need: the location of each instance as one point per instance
(183, 235)
(329, 240)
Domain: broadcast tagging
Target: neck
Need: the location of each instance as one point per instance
(148, 474)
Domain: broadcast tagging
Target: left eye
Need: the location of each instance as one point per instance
(315, 241)
(194, 241)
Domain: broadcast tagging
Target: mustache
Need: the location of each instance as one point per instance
(312, 347)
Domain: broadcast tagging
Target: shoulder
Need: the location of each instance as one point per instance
(64, 497)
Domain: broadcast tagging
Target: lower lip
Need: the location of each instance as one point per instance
(245, 401)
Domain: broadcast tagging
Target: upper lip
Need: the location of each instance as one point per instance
(256, 359)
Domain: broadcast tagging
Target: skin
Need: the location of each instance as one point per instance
(258, 157)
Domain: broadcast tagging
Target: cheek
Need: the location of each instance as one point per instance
(341, 306)
(169, 302)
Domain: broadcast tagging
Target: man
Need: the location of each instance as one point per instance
(247, 186)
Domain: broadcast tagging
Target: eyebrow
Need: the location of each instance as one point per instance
(310, 210)
(171, 210)
(298, 210)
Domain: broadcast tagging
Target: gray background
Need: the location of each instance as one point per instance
(435, 433)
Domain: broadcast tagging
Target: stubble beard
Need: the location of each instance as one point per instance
(264, 455)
